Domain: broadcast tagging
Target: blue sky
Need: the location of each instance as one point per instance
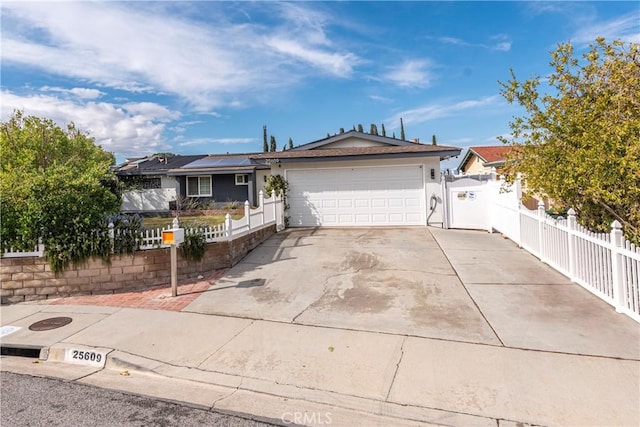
(204, 77)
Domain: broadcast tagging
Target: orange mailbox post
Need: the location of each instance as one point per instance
(173, 237)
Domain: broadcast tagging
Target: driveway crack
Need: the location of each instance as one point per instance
(397, 368)
(324, 291)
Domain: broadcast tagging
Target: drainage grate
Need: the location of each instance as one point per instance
(33, 352)
(50, 323)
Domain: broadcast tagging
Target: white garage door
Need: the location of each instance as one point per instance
(356, 196)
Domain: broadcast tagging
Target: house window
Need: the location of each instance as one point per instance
(198, 186)
(242, 179)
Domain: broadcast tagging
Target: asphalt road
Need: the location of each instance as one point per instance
(33, 401)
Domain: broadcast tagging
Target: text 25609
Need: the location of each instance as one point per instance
(91, 356)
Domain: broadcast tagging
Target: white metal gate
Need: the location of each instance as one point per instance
(467, 202)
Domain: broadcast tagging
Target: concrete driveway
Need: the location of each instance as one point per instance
(464, 286)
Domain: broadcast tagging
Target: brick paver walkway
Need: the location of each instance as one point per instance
(156, 298)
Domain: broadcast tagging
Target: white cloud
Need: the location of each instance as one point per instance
(380, 98)
(500, 42)
(624, 27)
(410, 74)
(439, 110)
(80, 92)
(152, 111)
(225, 141)
(127, 131)
(144, 47)
(338, 64)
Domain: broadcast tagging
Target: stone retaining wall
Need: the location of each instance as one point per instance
(28, 279)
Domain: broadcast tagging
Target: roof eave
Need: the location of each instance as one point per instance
(440, 154)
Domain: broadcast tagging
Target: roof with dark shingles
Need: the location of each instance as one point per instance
(155, 164)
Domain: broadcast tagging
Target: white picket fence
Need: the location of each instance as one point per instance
(270, 211)
(605, 264)
(36, 251)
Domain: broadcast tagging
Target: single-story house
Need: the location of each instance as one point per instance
(480, 160)
(358, 179)
(221, 178)
(211, 180)
(348, 179)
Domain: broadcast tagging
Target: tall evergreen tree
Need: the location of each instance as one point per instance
(360, 129)
(394, 135)
(433, 140)
(290, 143)
(354, 127)
(402, 136)
(341, 130)
(384, 131)
(265, 146)
(374, 129)
(274, 146)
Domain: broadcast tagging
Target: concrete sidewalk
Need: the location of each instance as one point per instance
(562, 357)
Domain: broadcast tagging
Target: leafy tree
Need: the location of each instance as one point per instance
(374, 129)
(55, 185)
(402, 136)
(384, 131)
(290, 143)
(579, 142)
(433, 140)
(280, 185)
(265, 146)
(360, 129)
(273, 145)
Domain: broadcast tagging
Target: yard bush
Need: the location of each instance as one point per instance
(55, 185)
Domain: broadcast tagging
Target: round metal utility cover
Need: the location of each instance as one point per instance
(50, 323)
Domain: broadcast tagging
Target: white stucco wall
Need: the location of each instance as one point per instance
(261, 181)
(352, 142)
(431, 186)
(168, 182)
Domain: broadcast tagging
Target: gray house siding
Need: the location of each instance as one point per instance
(224, 189)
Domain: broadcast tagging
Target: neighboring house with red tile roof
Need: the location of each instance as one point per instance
(480, 160)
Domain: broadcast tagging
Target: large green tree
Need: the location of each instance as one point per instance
(579, 140)
(55, 185)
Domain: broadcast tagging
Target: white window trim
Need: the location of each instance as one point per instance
(200, 194)
(238, 175)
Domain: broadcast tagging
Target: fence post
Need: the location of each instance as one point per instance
(247, 214)
(228, 226)
(619, 297)
(40, 247)
(571, 226)
(112, 236)
(261, 201)
(541, 222)
(275, 209)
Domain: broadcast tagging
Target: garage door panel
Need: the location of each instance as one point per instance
(356, 196)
